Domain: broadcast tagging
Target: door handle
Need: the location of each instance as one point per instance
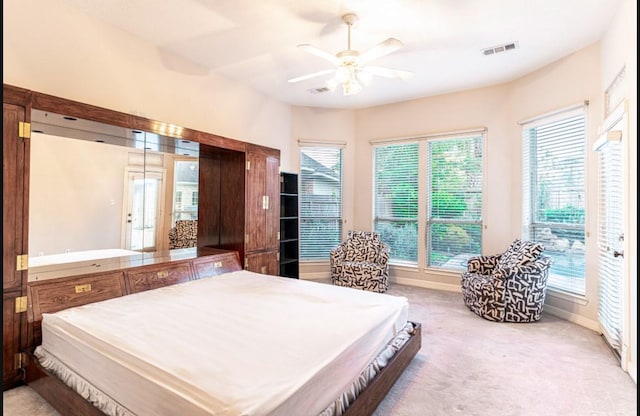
(617, 253)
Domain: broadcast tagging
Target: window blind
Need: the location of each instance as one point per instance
(554, 194)
(454, 201)
(610, 226)
(320, 201)
(396, 199)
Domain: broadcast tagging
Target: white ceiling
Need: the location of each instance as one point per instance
(254, 41)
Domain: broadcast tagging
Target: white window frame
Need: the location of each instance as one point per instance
(423, 141)
(337, 146)
(563, 284)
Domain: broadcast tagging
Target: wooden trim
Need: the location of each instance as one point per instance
(368, 400)
(72, 108)
(263, 150)
(16, 95)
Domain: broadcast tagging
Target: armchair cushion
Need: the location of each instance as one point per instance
(362, 246)
(519, 253)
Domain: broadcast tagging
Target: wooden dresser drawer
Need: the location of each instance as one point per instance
(153, 277)
(48, 296)
(215, 265)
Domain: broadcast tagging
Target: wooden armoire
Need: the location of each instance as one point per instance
(238, 205)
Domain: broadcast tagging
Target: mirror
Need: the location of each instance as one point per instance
(101, 192)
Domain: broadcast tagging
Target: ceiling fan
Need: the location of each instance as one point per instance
(352, 69)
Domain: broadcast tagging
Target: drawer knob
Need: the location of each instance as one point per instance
(217, 264)
(163, 274)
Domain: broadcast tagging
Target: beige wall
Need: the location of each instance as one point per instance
(53, 48)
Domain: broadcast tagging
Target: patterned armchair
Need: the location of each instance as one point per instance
(184, 234)
(509, 287)
(361, 262)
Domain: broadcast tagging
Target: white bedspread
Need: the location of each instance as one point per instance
(241, 343)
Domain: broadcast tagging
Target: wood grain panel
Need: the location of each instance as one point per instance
(216, 265)
(72, 108)
(232, 196)
(54, 295)
(10, 340)
(209, 198)
(265, 262)
(255, 213)
(13, 149)
(147, 278)
(272, 213)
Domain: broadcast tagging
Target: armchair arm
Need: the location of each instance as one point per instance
(336, 255)
(383, 256)
(482, 264)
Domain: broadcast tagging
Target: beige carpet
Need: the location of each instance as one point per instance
(470, 366)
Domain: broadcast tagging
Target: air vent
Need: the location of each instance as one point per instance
(318, 90)
(500, 48)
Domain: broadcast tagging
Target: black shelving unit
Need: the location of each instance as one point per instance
(289, 249)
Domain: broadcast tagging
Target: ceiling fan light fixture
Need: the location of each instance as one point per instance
(343, 73)
(352, 69)
(365, 77)
(351, 87)
(332, 84)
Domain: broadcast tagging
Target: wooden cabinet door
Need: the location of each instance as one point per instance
(14, 151)
(255, 212)
(265, 262)
(13, 191)
(11, 323)
(272, 212)
(262, 222)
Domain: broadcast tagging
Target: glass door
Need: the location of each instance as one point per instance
(144, 201)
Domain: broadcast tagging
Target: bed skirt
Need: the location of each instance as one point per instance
(111, 407)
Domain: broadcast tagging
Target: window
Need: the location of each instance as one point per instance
(320, 201)
(554, 193)
(396, 199)
(451, 187)
(185, 195)
(454, 201)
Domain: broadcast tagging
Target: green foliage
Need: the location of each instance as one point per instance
(565, 215)
(449, 235)
(399, 181)
(447, 205)
(402, 239)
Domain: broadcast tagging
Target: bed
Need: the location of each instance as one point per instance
(238, 343)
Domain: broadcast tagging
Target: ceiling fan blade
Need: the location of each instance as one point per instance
(381, 49)
(320, 53)
(312, 75)
(388, 72)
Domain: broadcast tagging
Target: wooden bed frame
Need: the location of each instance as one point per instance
(62, 293)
